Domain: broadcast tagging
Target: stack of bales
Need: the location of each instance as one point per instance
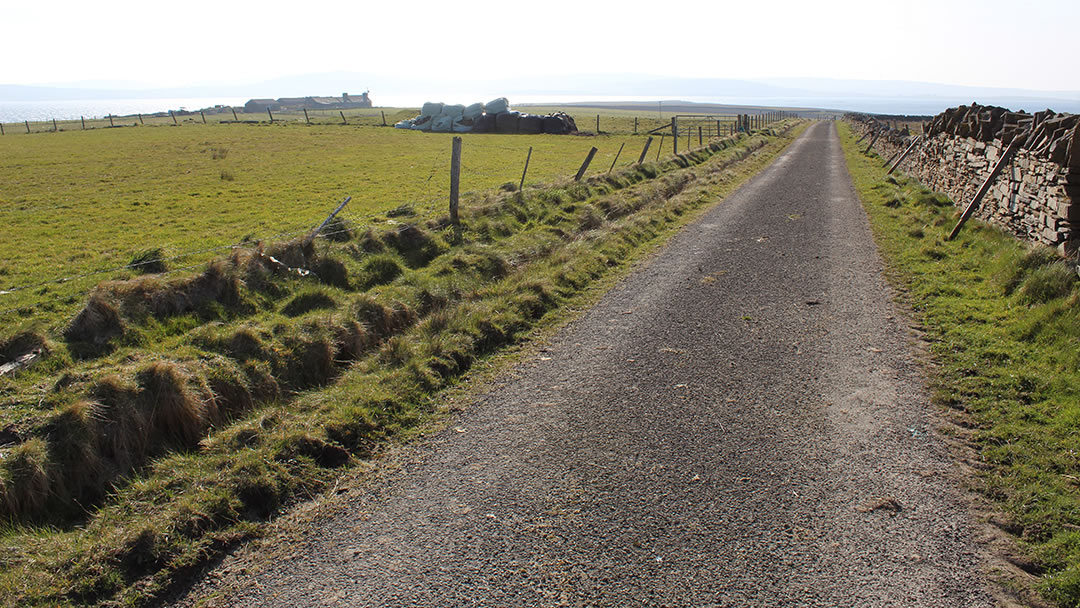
(492, 117)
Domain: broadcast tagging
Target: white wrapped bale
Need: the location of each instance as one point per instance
(431, 109)
(497, 106)
(474, 111)
(442, 124)
(453, 110)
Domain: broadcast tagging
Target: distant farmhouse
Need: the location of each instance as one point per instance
(345, 102)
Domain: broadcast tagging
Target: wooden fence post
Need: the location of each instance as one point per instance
(872, 142)
(635, 125)
(975, 200)
(585, 165)
(27, 123)
(700, 141)
(455, 180)
(173, 116)
(203, 117)
(314, 233)
(674, 136)
(660, 148)
(616, 157)
(343, 121)
(270, 114)
(904, 155)
(83, 120)
(2, 129)
(234, 114)
(110, 121)
(644, 151)
(306, 119)
(54, 127)
(141, 120)
(597, 124)
(526, 170)
(383, 112)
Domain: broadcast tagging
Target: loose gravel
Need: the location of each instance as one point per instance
(740, 422)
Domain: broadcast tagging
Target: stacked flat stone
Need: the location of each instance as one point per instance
(1037, 195)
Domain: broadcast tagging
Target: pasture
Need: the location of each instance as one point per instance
(80, 202)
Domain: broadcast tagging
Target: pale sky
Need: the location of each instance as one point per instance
(997, 43)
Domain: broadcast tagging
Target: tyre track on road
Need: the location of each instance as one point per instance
(740, 422)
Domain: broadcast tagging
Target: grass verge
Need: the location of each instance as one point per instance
(1003, 323)
(193, 410)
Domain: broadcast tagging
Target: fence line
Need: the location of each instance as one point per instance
(421, 210)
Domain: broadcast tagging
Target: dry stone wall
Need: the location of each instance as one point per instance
(1036, 196)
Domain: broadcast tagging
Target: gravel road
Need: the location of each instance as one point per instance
(740, 422)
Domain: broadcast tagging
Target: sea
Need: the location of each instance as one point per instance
(44, 111)
(18, 111)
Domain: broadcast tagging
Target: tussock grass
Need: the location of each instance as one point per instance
(213, 401)
(1003, 322)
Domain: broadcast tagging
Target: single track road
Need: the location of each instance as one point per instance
(740, 422)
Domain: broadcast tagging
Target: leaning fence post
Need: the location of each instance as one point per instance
(383, 112)
(905, 154)
(110, 121)
(616, 157)
(203, 117)
(526, 170)
(54, 127)
(27, 123)
(141, 120)
(306, 119)
(585, 165)
(975, 200)
(644, 151)
(873, 141)
(2, 129)
(173, 116)
(343, 121)
(270, 114)
(660, 148)
(455, 176)
(318, 229)
(83, 120)
(234, 114)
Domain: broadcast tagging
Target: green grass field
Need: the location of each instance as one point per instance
(82, 201)
(1003, 324)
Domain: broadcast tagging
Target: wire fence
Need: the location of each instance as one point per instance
(428, 204)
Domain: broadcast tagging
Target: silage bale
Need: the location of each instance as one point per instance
(442, 124)
(531, 124)
(431, 108)
(485, 123)
(497, 106)
(474, 111)
(404, 124)
(554, 126)
(507, 122)
(453, 110)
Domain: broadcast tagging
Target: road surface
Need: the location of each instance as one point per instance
(740, 422)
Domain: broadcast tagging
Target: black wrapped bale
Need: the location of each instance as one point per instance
(530, 124)
(485, 123)
(554, 126)
(507, 122)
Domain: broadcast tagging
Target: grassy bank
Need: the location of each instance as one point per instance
(173, 416)
(1003, 323)
(81, 202)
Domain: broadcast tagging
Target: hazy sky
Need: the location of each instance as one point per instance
(1029, 44)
